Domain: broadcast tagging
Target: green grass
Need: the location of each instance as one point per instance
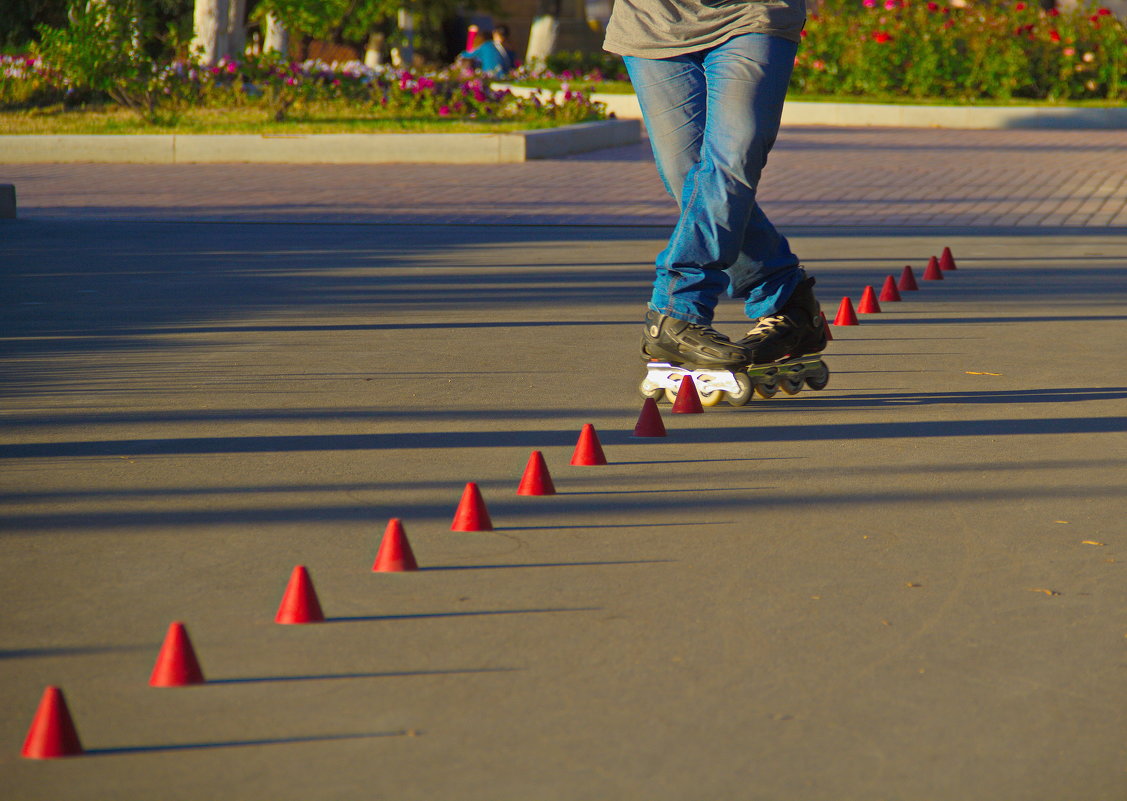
(586, 87)
(948, 101)
(322, 118)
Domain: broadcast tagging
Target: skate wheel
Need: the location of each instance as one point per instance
(671, 395)
(819, 378)
(791, 385)
(745, 393)
(767, 389)
(655, 393)
(712, 398)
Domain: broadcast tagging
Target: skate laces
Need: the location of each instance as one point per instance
(767, 325)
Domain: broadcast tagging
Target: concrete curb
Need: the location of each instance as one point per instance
(908, 116)
(322, 148)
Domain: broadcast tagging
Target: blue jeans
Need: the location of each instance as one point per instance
(712, 117)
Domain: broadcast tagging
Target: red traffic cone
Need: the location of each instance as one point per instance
(536, 479)
(299, 604)
(176, 665)
(472, 514)
(933, 273)
(826, 325)
(946, 260)
(588, 450)
(688, 401)
(845, 313)
(52, 733)
(649, 421)
(394, 554)
(907, 281)
(888, 292)
(868, 304)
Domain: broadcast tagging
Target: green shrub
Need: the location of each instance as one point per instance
(103, 50)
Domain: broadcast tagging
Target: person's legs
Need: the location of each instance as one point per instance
(712, 119)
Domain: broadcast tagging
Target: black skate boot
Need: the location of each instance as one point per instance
(679, 342)
(797, 329)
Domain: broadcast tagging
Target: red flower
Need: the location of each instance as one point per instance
(881, 37)
(933, 6)
(1020, 6)
(1104, 12)
(1054, 36)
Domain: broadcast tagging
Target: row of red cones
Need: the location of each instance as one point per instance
(53, 734)
(890, 291)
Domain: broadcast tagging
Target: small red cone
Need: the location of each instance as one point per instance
(933, 273)
(688, 401)
(536, 479)
(472, 514)
(907, 281)
(826, 325)
(299, 604)
(588, 450)
(395, 554)
(888, 292)
(845, 313)
(868, 304)
(649, 421)
(946, 260)
(176, 665)
(52, 733)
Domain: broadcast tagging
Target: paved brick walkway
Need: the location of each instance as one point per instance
(817, 176)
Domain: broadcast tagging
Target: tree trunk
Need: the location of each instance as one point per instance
(211, 21)
(237, 29)
(277, 37)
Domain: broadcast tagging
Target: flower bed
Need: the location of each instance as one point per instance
(932, 50)
(281, 91)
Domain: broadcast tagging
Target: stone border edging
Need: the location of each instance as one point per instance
(892, 115)
(453, 148)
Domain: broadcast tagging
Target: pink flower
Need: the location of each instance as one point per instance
(1069, 51)
(889, 5)
(444, 111)
(232, 68)
(819, 65)
(870, 3)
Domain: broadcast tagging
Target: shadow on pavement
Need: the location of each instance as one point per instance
(144, 749)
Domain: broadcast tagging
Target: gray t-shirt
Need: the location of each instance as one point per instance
(666, 28)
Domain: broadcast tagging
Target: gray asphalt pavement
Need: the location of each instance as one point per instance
(906, 586)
